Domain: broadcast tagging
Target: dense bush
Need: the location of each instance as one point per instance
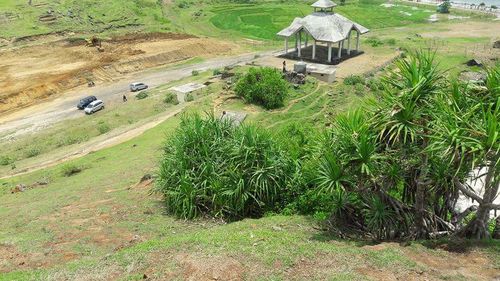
(103, 127)
(212, 167)
(354, 80)
(263, 86)
(5, 160)
(69, 170)
(374, 41)
(171, 98)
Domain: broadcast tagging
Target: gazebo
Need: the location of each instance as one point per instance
(324, 26)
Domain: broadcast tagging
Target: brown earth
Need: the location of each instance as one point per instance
(39, 71)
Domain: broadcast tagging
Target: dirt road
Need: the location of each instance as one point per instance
(40, 116)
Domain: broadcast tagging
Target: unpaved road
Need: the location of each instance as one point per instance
(40, 116)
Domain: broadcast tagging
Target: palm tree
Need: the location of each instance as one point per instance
(403, 115)
(467, 133)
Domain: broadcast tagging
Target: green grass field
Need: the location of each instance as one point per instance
(18, 19)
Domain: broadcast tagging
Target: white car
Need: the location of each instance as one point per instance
(138, 86)
(94, 106)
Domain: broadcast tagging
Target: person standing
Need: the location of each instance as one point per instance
(124, 98)
(284, 66)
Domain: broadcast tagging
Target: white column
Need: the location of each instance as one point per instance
(286, 45)
(340, 49)
(300, 45)
(329, 46)
(306, 40)
(314, 49)
(349, 43)
(357, 41)
(296, 42)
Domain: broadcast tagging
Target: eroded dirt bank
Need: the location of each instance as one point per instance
(35, 72)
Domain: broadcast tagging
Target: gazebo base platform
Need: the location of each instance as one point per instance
(321, 55)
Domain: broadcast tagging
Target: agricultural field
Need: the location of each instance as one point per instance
(161, 188)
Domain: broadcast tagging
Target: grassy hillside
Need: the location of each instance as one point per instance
(102, 224)
(18, 18)
(229, 19)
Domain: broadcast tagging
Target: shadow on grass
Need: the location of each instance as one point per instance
(450, 244)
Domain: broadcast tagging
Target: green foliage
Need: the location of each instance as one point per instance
(142, 95)
(69, 170)
(354, 80)
(103, 127)
(263, 86)
(195, 73)
(374, 41)
(212, 167)
(379, 218)
(189, 97)
(5, 160)
(171, 98)
(32, 152)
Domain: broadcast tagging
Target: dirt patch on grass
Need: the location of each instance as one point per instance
(199, 267)
(468, 29)
(471, 265)
(36, 72)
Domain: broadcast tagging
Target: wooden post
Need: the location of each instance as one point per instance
(305, 41)
(329, 46)
(314, 50)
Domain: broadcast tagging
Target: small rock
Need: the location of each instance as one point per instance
(19, 188)
(277, 228)
(496, 45)
(146, 177)
(144, 276)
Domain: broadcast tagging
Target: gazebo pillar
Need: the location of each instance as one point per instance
(357, 41)
(329, 46)
(314, 50)
(349, 43)
(286, 45)
(340, 48)
(300, 44)
(305, 41)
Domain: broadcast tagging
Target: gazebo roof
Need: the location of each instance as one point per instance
(324, 27)
(323, 4)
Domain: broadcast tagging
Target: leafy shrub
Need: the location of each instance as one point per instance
(263, 86)
(390, 41)
(171, 98)
(195, 73)
(69, 170)
(189, 97)
(103, 127)
(374, 41)
(142, 95)
(5, 160)
(32, 152)
(354, 79)
(217, 72)
(212, 167)
(374, 84)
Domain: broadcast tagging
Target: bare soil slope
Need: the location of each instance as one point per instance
(39, 71)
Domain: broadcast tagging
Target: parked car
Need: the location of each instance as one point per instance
(94, 106)
(134, 87)
(85, 101)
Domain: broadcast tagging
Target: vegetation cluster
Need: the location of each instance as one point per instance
(390, 169)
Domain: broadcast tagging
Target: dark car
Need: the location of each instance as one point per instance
(85, 101)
